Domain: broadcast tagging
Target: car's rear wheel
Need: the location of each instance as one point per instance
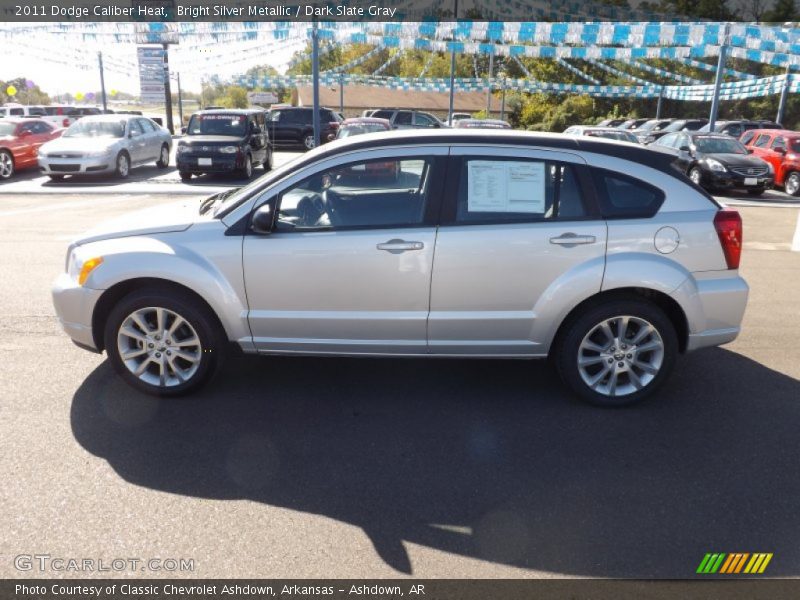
(308, 141)
(617, 353)
(123, 163)
(163, 158)
(164, 343)
(185, 176)
(792, 185)
(6, 164)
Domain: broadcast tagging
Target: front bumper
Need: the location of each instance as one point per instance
(74, 307)
(220, 163)
(730, 180)
(77, 166)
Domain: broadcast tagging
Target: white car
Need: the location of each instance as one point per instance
(106, 144)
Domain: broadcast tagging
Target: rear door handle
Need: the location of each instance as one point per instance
(572, 239)
(398, 246)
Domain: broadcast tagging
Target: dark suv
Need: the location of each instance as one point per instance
(738, 127)
(294, 126)
(408, 119)
(224, 141)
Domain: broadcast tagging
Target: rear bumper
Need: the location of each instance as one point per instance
(714, 308)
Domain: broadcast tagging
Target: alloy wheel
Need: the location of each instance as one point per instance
(793, 184)
(620, 356)
(6, 165)
(308, 142)
(123, 166)
(159, 346)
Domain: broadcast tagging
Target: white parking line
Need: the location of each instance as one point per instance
(796, 239)
(76, 204)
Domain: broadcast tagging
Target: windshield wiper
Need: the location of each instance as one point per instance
(206, 204)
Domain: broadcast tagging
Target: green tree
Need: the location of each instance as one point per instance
(782, 11)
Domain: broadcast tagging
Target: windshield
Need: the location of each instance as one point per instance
(217, 124)
(676, 126)
(241, 194)
(7, 128)
(648, 125)
(719, 145)
(351, 130)
(88, 128)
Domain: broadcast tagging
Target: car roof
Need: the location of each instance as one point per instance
(363, 120)
(228, 111)
(23, 120)
(661, 160)
(710, 134)
(773, 131)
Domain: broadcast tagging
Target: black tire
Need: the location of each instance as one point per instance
(185, 176)
(247, 170)
(567, 351)
(163, 157)
(755, 192)
(56, 177)
(268, 160)
(792, 184)
(696, 175)
(121, 170)
(7, 166)
(213, 342)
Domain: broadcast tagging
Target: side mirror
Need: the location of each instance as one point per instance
(24, 133)
(780, 150)
(685, 149)
(256, 130)
(183, 130)
(263, 219)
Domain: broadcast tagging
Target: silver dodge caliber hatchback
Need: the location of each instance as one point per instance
(490, 244)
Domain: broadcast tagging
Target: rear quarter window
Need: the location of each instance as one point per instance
(624, 197)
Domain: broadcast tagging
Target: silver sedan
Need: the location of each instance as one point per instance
(106, 144)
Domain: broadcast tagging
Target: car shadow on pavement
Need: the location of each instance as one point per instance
(485, 459)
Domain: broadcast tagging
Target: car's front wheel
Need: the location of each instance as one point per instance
(6, 164)
(696, 175)
(617, 353)
(123, 163)
(792, 185)
(185, 175)
(247, 170)
(164, 343)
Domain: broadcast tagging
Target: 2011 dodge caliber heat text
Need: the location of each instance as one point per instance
(497, 244)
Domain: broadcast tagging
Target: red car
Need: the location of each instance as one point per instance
(781, 149)
(19, 143)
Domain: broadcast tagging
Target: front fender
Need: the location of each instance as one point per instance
(214, 274)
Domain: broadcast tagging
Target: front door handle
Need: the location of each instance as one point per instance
(398, 246)
(572, 239)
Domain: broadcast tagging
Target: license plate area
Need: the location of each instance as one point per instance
(750, 181)
(206, 162)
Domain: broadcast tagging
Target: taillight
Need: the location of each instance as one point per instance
(65, 123)
(334, 124)
(728, 224)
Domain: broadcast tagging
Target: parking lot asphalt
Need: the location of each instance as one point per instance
(304, 467)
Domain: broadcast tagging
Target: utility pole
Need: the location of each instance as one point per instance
(503, 100)
(102, 81)
(341, 93)
(168, 89)
(180, 101)
(453, 67)
(489, 87)
(723, 49)
(784, 95)
(315, 77)
(660, 100)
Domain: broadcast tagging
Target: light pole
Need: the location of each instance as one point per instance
(504, 75)
(315, 77)
(102, 81)
(489, 87)
(453, 66)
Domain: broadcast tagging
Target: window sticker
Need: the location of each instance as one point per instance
(506, 186)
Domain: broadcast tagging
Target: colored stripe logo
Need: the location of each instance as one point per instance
(735, 563)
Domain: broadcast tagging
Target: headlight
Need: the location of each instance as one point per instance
(715, 165)
(80, 268)
(770, 168)
(229, 149)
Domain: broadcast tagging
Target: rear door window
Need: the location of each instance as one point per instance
(517, 190)
(747, 137)
(762, 141)
(624, 197)
(403, 118)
